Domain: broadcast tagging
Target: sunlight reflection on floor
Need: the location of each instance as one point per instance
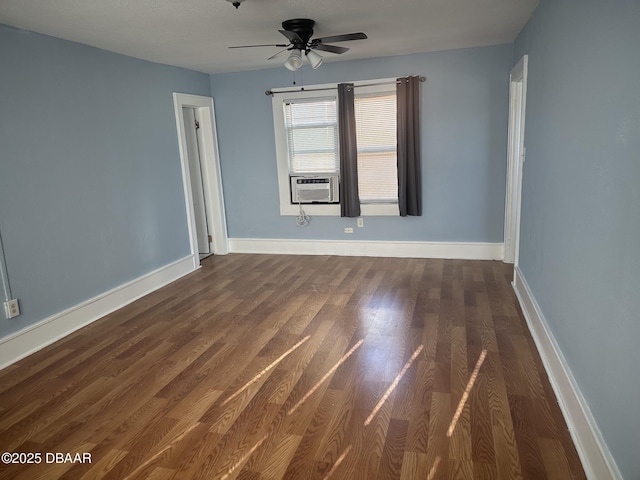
(434, 468)
(244, 458)
(465, 395)
(266, 369)
(394, 384)
(338, 462)
(326, 375)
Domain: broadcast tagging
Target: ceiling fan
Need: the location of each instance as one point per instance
(299, 32)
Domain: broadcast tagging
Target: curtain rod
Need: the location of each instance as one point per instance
(301, 89)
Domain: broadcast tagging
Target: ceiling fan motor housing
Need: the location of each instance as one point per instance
(303, 27)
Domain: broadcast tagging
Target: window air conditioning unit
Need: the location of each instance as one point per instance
(315, 189)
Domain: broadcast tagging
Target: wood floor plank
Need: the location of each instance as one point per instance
(393, 451)
(280, 458)
(459, 429)
(554, 459)
(438, 451)
(105, 461)
(313, 436)
(417, 405)
(275, 367)
(527, 441)
(460, 469)
(414, 465)
(161, 474)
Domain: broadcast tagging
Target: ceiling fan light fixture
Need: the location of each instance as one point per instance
(294, 62)
(315, 59)
(235, 3)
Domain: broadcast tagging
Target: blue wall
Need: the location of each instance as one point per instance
(90, 182)
(464, 120)
(581, 201)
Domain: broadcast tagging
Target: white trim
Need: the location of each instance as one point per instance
(515, 159)
(35, 337)
(592, 449)
(368, 248)
(366, 209)
(212, 177)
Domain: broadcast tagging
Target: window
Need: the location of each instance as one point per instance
(312, 135)
(306, 134)
(377, 142)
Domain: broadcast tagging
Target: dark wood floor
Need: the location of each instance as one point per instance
(269, 367)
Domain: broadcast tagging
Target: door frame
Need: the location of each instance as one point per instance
(211, 175)
(515, 159)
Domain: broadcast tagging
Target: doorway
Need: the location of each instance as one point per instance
(194, 142)
(515, 159)
(202, 181)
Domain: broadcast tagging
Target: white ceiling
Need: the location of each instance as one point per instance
(195, 34)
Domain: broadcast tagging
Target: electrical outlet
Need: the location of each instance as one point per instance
(348, 230)
(12, 308)
(360, 222)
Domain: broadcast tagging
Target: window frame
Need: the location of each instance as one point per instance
(278, 98)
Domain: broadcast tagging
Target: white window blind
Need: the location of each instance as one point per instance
(377, 147)
(312, 135)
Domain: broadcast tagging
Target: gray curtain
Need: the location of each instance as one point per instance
(409, 178)
(349, 198)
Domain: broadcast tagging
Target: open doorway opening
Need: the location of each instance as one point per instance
(202, 181)
(515, 159)
(194, 142)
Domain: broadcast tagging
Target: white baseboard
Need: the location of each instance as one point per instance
(368, 248)
(592, 449)
(35, 337)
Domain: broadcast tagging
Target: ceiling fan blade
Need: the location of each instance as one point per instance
(341, 38)
(292, 36)
(329, 48)
(276, 54)
(267, 45)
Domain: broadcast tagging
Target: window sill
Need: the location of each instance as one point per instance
(367, 210)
